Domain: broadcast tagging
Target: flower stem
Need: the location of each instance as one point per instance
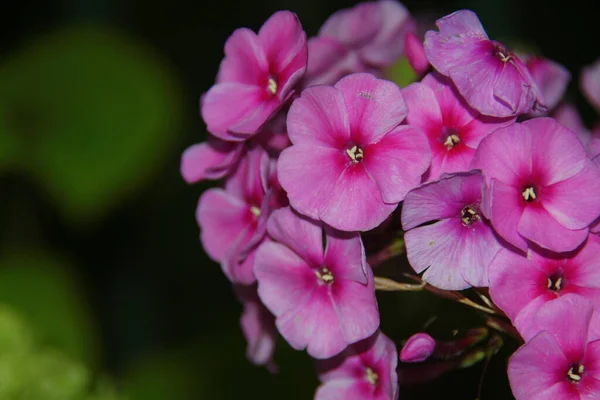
(392, 250)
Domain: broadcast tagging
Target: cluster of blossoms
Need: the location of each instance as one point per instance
(497, 178)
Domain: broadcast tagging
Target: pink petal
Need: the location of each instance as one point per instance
(353, 26)
(590, 83)
(573, 202)
(423, 108)
(534, 370)
(355, 204)
(505, 155)
(445, 49)
(356, 307)
(245, 61)
(284, 279)
(441, 199)
(551, 78)
(375, 106)
(435, 248)
(397, 162)
(586, 264)
(209, 160)
(515, 88)
(455, 111)
(339, 389)
(555, 150)
(284, 43)
(319, 117)
(515, 281)
(235, 107)
(222, 218)
(301, 235)
(345, 255)
(309, 175)
(313, 324)
(415, 53)
(326, 63)
(538, 226)
(567, 319)
(505, 210)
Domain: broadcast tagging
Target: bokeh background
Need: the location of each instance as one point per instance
(105, 291)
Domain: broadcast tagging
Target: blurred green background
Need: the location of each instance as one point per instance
(105, 291)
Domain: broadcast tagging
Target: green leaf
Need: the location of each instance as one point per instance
(90, 113)
(401, 73)
(43, 289)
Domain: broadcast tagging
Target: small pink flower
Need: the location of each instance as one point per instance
(365, 38)
(258, 326)
(415, 53)
(233, 221)
(492, 80)
(364, 371)
(521, 285)
(350, 163)
(456, 250)
(590, 83)
(561, 358)
(453, 128)
(551, 79)
(419, 347)
(323, 299)
(256, 76)
(542, 188)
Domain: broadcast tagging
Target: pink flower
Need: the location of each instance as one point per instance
(561, 359)
(258, 326)
(350, 163)
(256, 76)
(365, 38)
(456, 250)
(590, 83)
(567, 115)
(453, 128)
(542, 188)
(323, 299)
(364, 371)
(415, 53)
(233, 221)
(419, 347)
(551, 79)
(492, 80)
(520, 285)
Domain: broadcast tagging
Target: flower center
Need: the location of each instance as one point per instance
(324, 275)
(371, 376)
(529, 194)
(272, 86)
(451, 141)
(469, 214)
(575, 372)
(255, 211)
(502, 54)
(555, 282)
(355, 153)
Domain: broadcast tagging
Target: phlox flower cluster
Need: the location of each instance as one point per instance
(492, 177)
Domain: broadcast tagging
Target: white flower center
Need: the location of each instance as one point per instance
(451, 141)
(529, 194)
(272, 86)
(469, 214)
(255, 211)
(371, 376)
(324, 275)
(575, 372)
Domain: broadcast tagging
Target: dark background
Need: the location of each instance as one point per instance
(99, 246)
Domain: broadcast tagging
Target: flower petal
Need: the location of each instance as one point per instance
(375, 106)
(397, 162)
(505, 209)
(245, 61)
(209, 160)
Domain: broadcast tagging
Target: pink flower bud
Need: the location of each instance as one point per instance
(418, 348)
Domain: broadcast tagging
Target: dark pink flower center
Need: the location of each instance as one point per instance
(469, 214)
(371, 376)
(575, 373)
(501, 53)
(556, 282)
(324, 275)
(355, 153)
